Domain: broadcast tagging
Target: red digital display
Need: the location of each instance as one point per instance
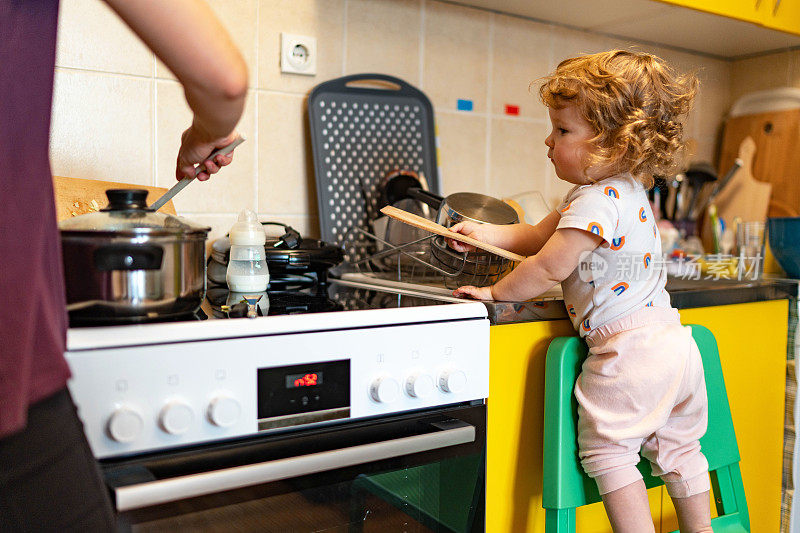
(308, 379)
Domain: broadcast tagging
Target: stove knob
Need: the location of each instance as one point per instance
(384, 390)
(452, 380)
(223, 411)
(125, 424)
(419, 385)
(176, 417)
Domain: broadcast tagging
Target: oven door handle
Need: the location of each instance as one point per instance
(449, 433)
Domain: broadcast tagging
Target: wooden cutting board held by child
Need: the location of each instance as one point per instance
(428, 225)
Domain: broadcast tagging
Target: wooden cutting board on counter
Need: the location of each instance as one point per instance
(78, 196)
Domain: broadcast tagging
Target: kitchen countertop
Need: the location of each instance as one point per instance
(684, 294)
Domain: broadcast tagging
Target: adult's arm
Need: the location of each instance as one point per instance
(190, 40)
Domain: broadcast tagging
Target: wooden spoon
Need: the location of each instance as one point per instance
(427, 225)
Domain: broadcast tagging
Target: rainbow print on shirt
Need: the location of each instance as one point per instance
(642, 215)
(618, 243)
(585, 325)
(646, 260)
(612, 192)
(571, 310)
(620, 287)
(596, 228)
(564, 209)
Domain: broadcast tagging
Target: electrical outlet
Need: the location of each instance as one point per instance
(298, 54)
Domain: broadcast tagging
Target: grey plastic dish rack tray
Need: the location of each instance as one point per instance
(359, 134)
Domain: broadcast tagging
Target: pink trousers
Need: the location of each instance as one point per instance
(642, 389)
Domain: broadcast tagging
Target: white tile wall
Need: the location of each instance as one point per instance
(118, 114)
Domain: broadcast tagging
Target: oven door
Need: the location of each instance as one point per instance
(415, 472)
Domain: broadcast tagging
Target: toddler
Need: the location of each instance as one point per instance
(615, 124)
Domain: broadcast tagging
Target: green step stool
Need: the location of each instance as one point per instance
(567, 487)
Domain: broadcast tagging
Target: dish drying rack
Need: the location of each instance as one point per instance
(363, 127)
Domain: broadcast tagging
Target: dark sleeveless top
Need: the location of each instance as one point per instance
(32, 304)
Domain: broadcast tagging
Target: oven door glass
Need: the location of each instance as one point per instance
(421, 472)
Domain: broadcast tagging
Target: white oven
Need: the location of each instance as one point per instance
(336, 421)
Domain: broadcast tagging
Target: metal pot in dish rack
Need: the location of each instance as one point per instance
(128, 263)
(479, 268)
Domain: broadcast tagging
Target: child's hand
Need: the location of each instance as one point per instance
(478, 293)
(470, 229)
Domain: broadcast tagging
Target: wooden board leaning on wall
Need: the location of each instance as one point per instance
(78, 196)
(776, 160)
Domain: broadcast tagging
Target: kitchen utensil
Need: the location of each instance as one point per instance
(471, 206)
(438, 229)
(396, 186)
(78, 196)
(127, 263)
(682, 200)
(394, 191)
(718, 186)
(670, 207)
(743, 196)
(699, 174)
(178, 187)
(784, 241)
(362, 127)
(477, 267)
(750, 244)
(715, 233)
(474, 268)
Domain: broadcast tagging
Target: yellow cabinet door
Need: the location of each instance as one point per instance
(783, 15)
(752, 347)
(746, 10)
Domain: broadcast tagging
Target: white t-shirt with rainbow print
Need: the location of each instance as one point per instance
(626, 272)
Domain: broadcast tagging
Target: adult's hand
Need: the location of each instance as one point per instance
(195, 149)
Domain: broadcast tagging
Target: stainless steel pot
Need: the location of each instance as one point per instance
(128, 263)
(467, 206)
(479, 268)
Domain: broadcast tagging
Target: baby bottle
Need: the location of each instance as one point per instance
(247, 265)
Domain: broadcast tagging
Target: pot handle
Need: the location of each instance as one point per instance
(128, 257)
(427, 197)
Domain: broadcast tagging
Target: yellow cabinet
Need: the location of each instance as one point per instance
(782, 15)
(752, 344)
(746, 10)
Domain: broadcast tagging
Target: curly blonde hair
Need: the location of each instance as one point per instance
(633, 101)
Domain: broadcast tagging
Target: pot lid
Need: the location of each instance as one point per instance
(127, 211)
